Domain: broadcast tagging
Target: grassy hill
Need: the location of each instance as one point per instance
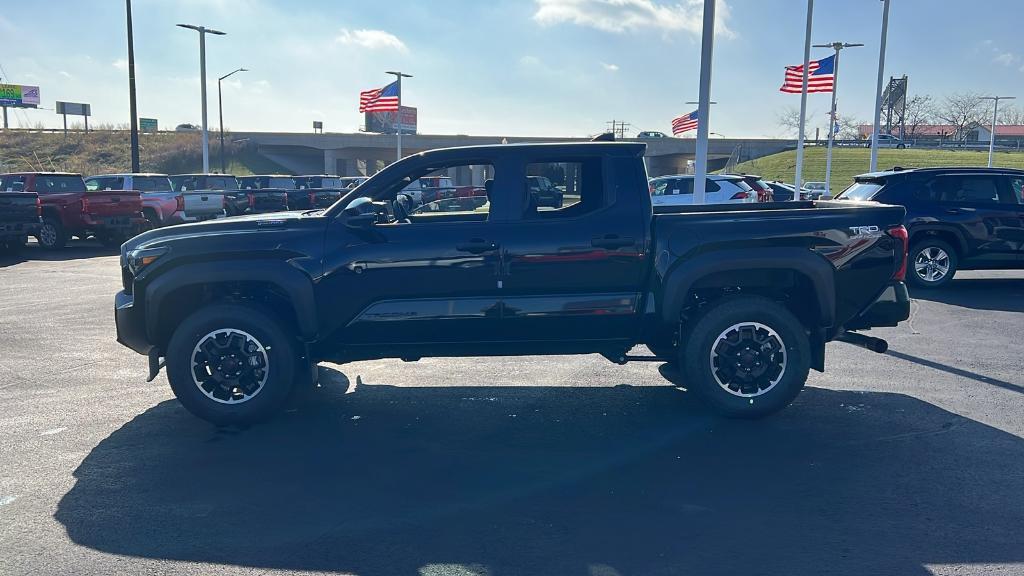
(108, 151)
(849, 162)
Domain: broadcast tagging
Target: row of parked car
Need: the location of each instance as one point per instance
(56, 206)
(677, 190)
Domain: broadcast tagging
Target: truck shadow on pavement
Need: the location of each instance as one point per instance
(75, 250)
(550, 480)
(1003, 294)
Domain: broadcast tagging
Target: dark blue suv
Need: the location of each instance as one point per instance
(957, 218)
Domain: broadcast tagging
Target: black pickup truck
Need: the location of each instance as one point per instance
(19, 218)
(741, 298)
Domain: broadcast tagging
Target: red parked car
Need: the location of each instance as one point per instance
(764, 191)
(68, 209)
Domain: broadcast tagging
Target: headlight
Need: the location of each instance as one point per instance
(142, 257)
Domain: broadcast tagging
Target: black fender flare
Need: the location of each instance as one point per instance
(932, 229)
(816, 268)
(295, 283)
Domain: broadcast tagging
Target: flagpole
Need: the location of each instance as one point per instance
(878, 88)
(398, 113)
(704, 106)
(837, 46)
(803, 101)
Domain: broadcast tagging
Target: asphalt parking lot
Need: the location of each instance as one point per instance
(903, 464)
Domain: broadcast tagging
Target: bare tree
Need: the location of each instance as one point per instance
(920, 113)
(1010, 114)
(848, 128)
(961, 111)
(789, 121)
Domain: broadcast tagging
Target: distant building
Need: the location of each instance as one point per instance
(974, 133)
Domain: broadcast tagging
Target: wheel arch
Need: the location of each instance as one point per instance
(948, 235)
(280, 289)
(810, 275)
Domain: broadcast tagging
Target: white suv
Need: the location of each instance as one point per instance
(678, 190)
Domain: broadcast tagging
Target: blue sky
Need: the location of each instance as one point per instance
(499, 67)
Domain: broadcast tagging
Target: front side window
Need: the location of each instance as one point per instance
(451, 193)
(1017, 186)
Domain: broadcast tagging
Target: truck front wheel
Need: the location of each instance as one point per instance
(231, 364)
(746, 356)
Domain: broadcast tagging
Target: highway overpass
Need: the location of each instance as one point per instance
(366, 153)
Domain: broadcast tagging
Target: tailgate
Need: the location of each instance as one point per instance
(113, 203)
(203, 202)
(18, 207)
(325, 197)
(268, 200)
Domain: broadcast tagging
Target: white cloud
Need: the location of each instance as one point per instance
(620, 16)
(372, 39)
(610, 67)
(120, 64)
(1006, 58)
(65, 73)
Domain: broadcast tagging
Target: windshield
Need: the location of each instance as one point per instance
(860, 191)
(151, 184)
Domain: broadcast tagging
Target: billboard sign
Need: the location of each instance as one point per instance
(385, 122)
(74, 109)
(19, 96)
(148, 124)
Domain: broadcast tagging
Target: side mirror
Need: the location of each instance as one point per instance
(360, 221)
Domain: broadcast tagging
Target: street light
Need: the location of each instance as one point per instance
(704, 96)
(837, 46)
(133, 109)
(398, 114)
(995, 110)
(878, 88)
(220, 113)
(203, 31)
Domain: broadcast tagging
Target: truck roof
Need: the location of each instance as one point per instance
(41, 173)
(123, 174)
(573, 149)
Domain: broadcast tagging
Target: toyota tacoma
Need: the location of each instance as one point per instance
(741, 299)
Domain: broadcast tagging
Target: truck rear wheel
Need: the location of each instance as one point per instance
(51, 234)
(746, 357)
(231, 364)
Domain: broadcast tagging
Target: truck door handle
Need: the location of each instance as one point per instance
(959, 210)
(477, 246)
(612, 241)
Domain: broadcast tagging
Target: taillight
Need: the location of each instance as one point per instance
(39, 207)
(741, 195)
(900, 234)
(179, 203)
(312, 199)
(650, 188)
(252, 200)
(85, 205)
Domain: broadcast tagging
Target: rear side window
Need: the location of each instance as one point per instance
(46, 184)
(221, 183)
(1017, 186)
(860, 191)
(965, 189)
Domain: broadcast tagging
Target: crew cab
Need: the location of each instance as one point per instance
(740, 298)
(68, 209)
(162, 205)
(322, 190)
(957, 218)
(19, 217)
(234, 202)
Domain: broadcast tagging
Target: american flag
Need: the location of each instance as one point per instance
(380, 100)
(684, 123)
(820, 76)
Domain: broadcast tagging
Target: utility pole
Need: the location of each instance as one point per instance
(203, 31)
(704, 107)
(131, 92)
(878, 87)
(398, 113)
(220, 113)
(838, 47)
(995, 112)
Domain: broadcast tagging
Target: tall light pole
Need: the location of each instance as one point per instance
(995, 111)
(878, 87)
(838, 47)
(803, 98)
(707, 47)
(133, 109)
(398, 114)
(220, 113)
(203, 31)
